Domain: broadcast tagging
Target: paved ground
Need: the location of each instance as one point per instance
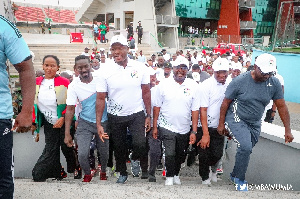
(137, 188)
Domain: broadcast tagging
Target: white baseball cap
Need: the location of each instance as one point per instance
(119, 39)
(236, 66)
(221, 64)
(266, 63)
(178, 62)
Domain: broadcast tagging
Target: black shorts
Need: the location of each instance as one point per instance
(96, 34)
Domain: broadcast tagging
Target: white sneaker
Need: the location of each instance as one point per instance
(169, 181)
(177, 180)
(206, 181)
(214, 177)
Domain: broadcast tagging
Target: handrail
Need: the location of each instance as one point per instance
(156, 40)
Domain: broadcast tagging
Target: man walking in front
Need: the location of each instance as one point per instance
(211, 143)
(176, 101)
(243, 106)
(84, 91)
(126, 84)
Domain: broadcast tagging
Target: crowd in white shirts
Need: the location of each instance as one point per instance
(158, 107)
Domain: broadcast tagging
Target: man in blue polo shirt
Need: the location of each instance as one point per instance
(14, 48)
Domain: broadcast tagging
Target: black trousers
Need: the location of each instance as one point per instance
(211, 155)
(48, 164)
(118, 126)
(69, 152)
(140, 39)
(6, 160)
(175, 145)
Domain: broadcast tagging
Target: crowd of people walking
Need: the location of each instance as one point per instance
(149, 111)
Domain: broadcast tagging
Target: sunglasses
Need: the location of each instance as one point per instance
(265, 74)
(181, 66)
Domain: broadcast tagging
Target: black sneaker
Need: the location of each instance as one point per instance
(152, 178)
(145, 175)
(78, 173)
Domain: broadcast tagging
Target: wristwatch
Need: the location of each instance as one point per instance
(148, 115)
(273, 111)
(194, 132)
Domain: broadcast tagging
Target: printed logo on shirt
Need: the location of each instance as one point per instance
(134, 73)
(6, 131)
(269, 84)
(187, 92)
(113, 107)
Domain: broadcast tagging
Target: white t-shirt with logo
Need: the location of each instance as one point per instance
(176, 103)
(47, 100)
(123, 86)
(212, 95)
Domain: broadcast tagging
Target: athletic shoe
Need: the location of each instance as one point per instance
(87, 178)
(206, 181)
(117, 174)
(93, 172)
(234, 180)
(78, 173)
(63, 174)
(169, 181)
(177, 180)
(219, 171)
(135, 168)
(152, 178)
(213, 176)
(103, 176)
(122, 179)
(145, 175)
(160, 167)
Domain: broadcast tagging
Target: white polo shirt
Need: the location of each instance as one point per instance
(176, 103)
(212, 95)
(123, 86)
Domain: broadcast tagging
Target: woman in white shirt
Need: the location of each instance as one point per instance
(50, 105)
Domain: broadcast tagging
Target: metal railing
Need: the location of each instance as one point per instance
(248, 25)
(167, 20)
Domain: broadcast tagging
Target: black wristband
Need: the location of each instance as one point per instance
(273, 111)
(148, 115)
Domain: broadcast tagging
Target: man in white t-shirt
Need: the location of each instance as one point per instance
(176, 101)
(86, 52)
(211, 143)
(126, 84)
(84, 91)
(165, 55)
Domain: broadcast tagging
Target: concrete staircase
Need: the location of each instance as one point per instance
(67, 53)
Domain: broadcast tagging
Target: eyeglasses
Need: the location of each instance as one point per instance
(265, 74)
(181, 66)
